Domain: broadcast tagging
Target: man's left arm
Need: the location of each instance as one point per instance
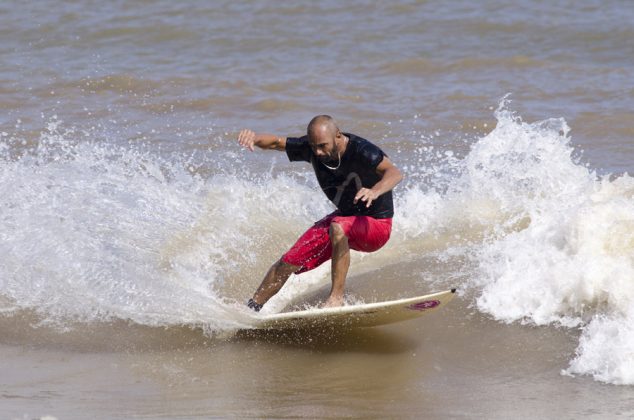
(390, 176)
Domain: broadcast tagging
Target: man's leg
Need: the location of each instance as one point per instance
(273, 281)
(340, 264)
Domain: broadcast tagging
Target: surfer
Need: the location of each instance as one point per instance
(358, 178)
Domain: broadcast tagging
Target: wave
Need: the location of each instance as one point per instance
(94, 232)
(572, 262)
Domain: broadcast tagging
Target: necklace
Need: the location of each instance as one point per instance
(336, 167)
(338, 164)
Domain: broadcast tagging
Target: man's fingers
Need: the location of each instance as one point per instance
(360, 195)
(368, 199)
(364, 195)
(246, 138)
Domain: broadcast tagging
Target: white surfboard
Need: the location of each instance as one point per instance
(364, 315)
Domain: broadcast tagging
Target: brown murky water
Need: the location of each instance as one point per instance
(132, 227)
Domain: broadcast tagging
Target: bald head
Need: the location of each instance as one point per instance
(325, 139)
(322, 125)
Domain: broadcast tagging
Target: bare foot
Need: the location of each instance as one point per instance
(333, 302)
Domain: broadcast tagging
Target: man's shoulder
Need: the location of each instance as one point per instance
(356, 138)
(298, 140)
(365, 148)
(297, 149)
(360, 142)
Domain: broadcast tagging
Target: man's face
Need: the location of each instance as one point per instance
(322, 142)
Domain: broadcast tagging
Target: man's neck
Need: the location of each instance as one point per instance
(342, 144)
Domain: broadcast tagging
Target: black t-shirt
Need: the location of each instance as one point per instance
(357, 170)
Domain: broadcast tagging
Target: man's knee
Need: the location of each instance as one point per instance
(282, 267)
(336, 233)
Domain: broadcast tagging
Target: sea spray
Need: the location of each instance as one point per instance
(606, 350)
(94, 232)
(91, 232)
(573, 262)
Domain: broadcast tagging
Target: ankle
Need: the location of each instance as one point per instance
(254, 305)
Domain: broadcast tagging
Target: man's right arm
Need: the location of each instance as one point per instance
(250, 139)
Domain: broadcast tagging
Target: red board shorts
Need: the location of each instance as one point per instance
(313, 248)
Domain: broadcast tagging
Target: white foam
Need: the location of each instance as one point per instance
(606, 350)
(90, 231)
(573, 263)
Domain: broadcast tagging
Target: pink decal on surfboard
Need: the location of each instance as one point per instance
(424, 305)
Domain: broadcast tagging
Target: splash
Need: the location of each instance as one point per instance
(94, 232)
(91, 231)
(570, 262)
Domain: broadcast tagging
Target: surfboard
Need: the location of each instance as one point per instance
(352, 316)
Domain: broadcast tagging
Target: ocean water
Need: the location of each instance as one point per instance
(133, 227)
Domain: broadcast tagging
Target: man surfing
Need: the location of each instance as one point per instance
(358, 178)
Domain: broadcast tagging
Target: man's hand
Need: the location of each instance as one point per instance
(366, 195)
(390, 176)
(250, 139)
(246, 138)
